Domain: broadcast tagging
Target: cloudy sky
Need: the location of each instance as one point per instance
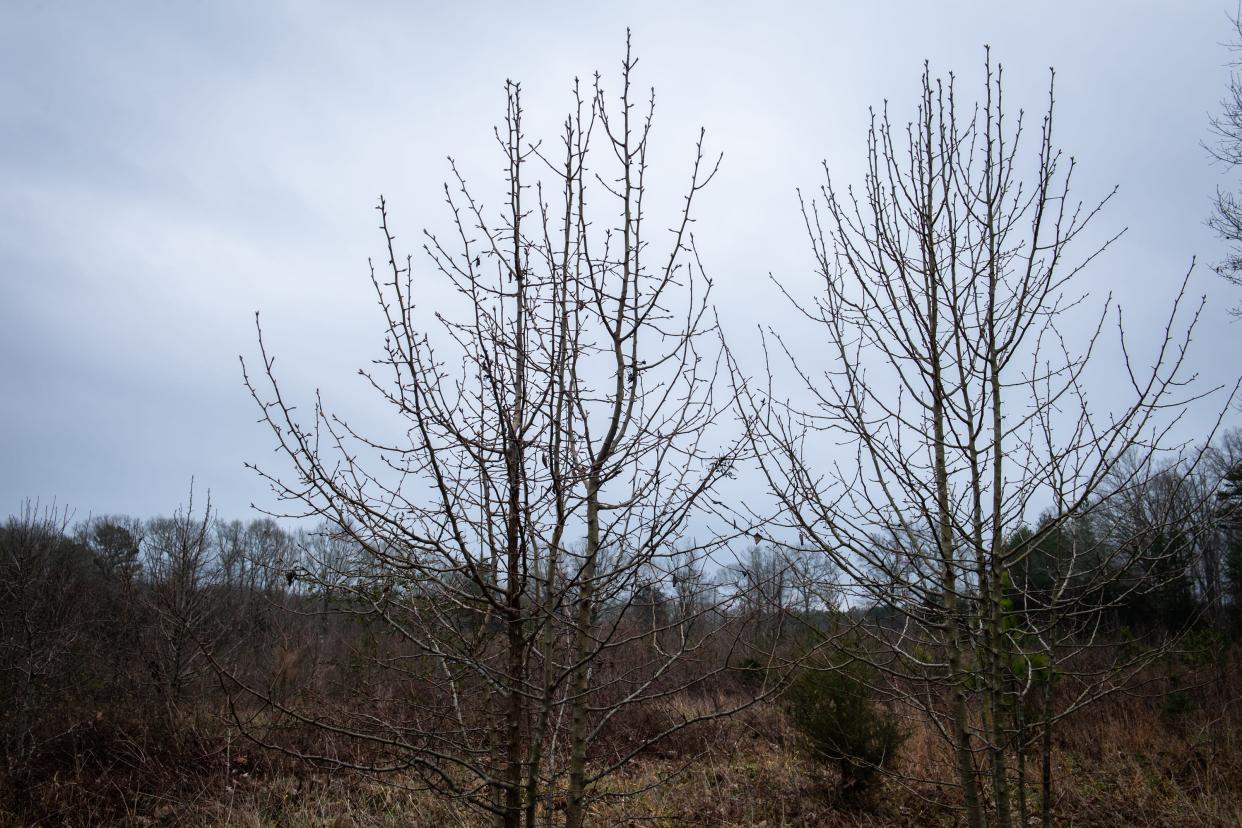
(167, 169)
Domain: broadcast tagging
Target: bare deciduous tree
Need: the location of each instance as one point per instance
(180, 568)
(42, 619)
(575, 398)
(947, 294)
(1226, 127)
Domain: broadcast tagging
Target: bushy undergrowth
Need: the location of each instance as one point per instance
(111, 718)
(1125, 762)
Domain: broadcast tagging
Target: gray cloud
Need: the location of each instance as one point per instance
(169, 169)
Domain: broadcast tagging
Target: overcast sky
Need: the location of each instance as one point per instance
(167, 169)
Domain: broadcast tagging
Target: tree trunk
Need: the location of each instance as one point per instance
(961, 731)
(1045, 804)
(580, 722)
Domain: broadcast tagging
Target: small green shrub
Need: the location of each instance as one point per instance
(750, 672)
(1176, 702)
(836, 710)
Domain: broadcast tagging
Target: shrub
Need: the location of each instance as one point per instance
(749, 672)
(836, 710)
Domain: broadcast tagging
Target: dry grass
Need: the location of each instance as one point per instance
(1126, 762)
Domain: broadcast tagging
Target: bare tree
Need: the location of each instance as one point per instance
(44, 616)
(947, 297)
(575, 400)
(1226, 148)
(180, 569)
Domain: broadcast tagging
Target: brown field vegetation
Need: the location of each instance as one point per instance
(1136, 760)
